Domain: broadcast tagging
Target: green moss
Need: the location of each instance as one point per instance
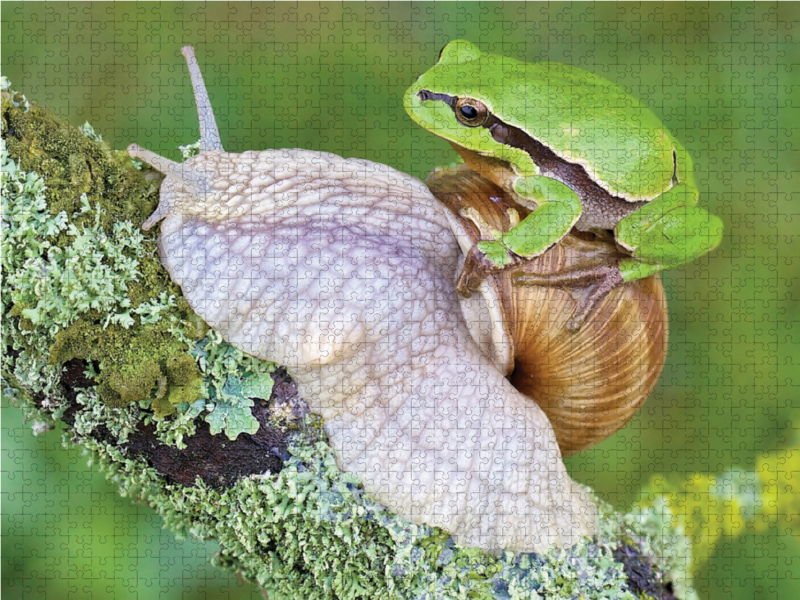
(40, 142)
(131, 385)
(83, 279)
(182, 370)
(185, 382)
(140, 359)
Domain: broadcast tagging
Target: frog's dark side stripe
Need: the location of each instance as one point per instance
(598, 204)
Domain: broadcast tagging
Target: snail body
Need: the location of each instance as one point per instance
(343, 270)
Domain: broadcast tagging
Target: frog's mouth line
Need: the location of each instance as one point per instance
(549, 163)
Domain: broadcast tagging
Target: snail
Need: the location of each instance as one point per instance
(343, 271)
(589, 382)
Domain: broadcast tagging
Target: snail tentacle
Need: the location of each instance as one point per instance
(209, 134)
(190, 180)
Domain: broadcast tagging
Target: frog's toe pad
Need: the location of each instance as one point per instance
(496, 253)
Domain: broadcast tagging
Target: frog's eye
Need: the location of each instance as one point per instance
(471, 112)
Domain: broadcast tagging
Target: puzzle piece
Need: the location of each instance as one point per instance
(716, 442)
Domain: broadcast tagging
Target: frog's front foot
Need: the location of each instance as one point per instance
(484, 259)
(596, 280)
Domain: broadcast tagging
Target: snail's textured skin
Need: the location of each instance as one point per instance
(343, 270)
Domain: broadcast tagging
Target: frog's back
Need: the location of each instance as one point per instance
(588, 120)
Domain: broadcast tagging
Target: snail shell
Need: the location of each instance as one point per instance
(591, 382)
(343, 270)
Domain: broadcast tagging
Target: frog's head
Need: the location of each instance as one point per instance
(455, 99)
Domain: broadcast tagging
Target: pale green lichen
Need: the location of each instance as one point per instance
(222, 365)
(174, 429)
(308, 531)
(58, 284)
(36, 378)
(87, 130)
(39, 375)
(120, 423)
(190, 150)
(586, 570)
(654, 529)
(231, 379)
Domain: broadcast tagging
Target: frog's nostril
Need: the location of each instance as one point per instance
(424, 95)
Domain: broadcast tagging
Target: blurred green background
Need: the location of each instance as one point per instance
(724, 78)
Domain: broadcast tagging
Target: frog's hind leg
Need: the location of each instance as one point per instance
(597, 281)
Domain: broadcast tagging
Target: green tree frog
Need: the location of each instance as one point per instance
(576, 149)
